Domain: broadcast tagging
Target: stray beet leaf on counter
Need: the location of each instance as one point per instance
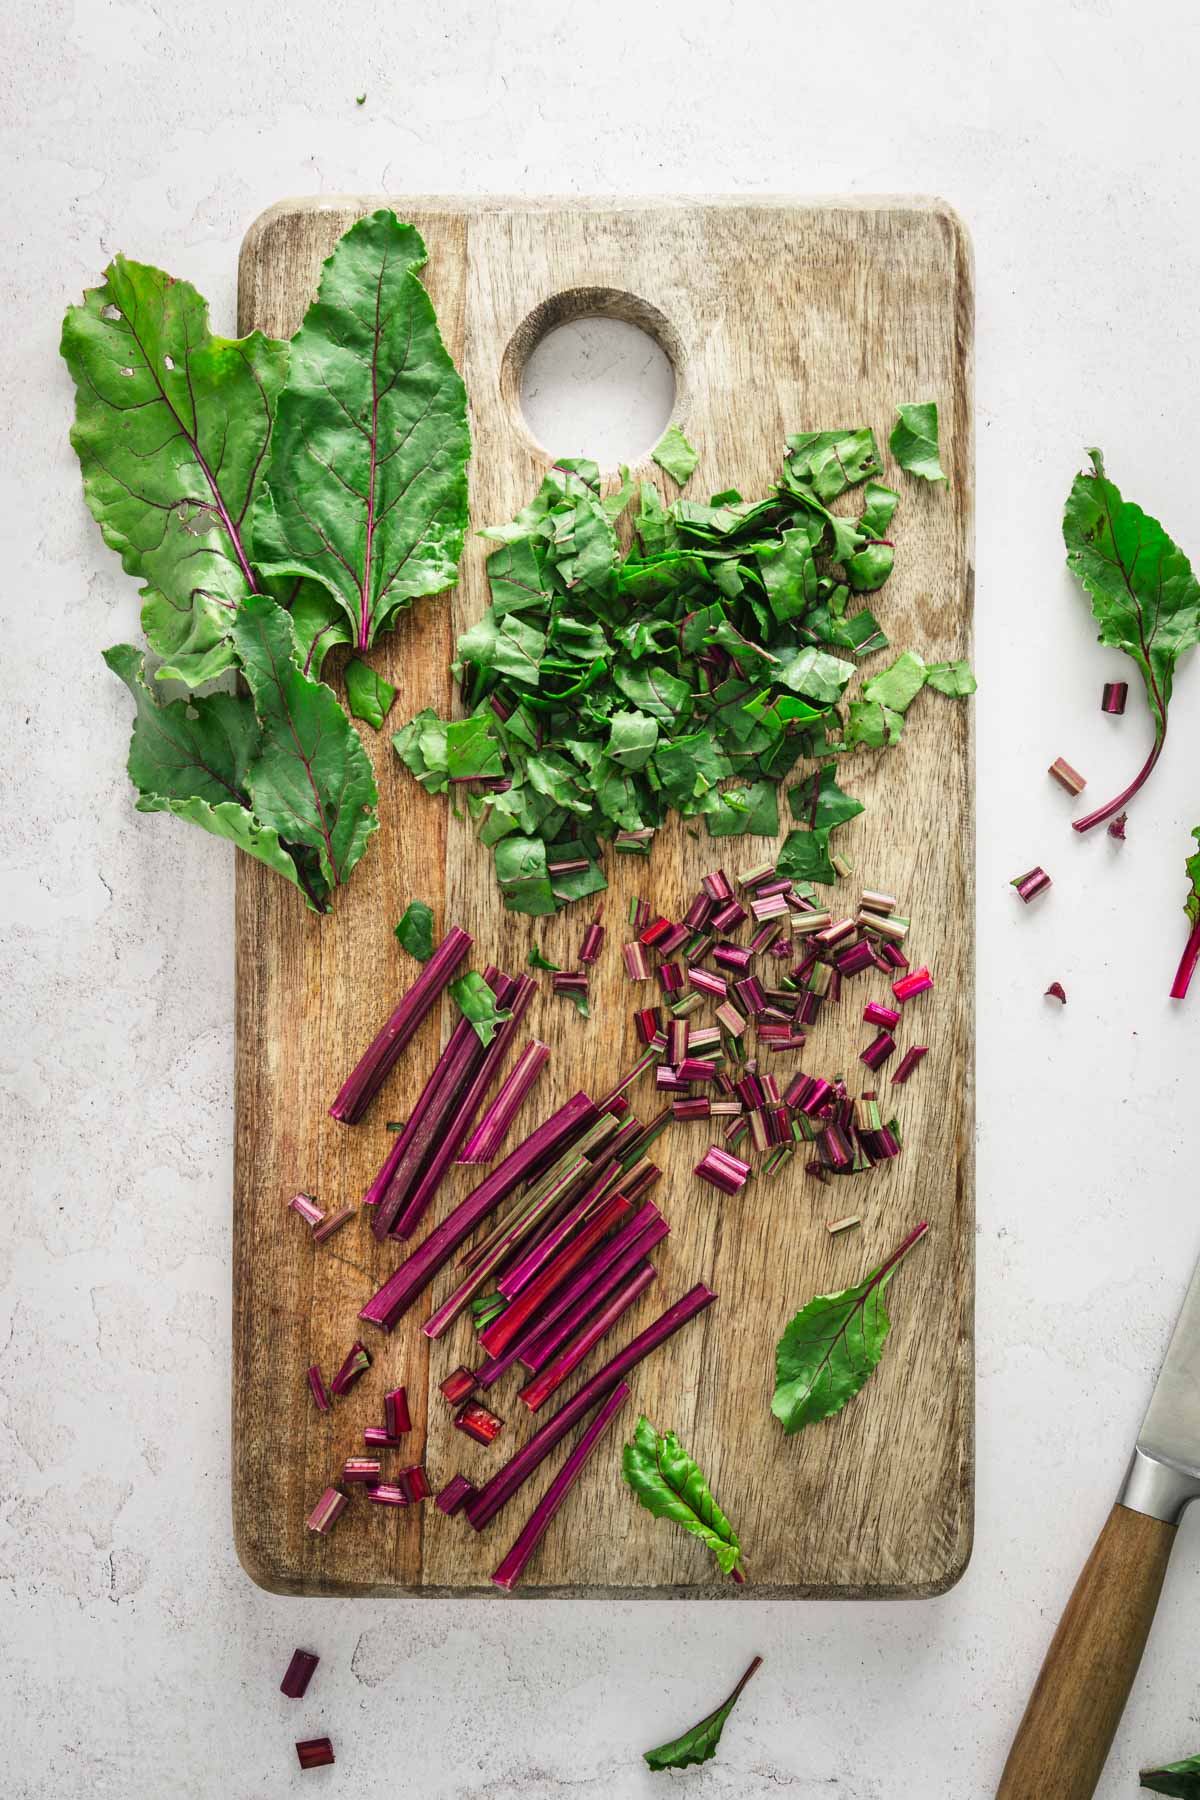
(607, 688)
(1191, 906)
(1180, 1779)
(208, 464)
(1144, 596)
(699, 1744)
(477, 1002)
(914, 440)
(669, 1484)
(369, 695)
(674, 454)
(538, 961)
(833, 1345)
(415, 930)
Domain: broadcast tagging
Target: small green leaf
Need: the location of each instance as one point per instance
(950, 678)
(472, 749)
(632, 739)
(669, 1484)
(699, 1744)
(1180, 1779)
(873, 724)
(415, 930)
(914, 440)
(829, 462)
(369, 694)
(521, 873)
(746, 812)
(805, 857)
(674, 454)
(476, 1001)
(538, 961)
(820, 803)
(831, 1347)
(898, 686)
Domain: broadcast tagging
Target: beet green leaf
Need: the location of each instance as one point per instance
(172, 429)
(1180, 1779)
(366, 485)
(914, 440)
(415, 930)
(699, 1743)
(1144, 597)
(669, 1484)
(368, 694)
(832, 1346)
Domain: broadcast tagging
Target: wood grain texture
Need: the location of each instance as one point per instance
(1073, 1713)
(778, 317)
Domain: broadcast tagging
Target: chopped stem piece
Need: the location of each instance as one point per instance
(908, 1063)
(511, 1568)
(1066, 776)
(328, 1510)
(333, 1223)
(314, 1753)
(320, 1393)
(477, 1422)
(307, 1208)
(365, 1080)
(298, 1674)
(358, 1361)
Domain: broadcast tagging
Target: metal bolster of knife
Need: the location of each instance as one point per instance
(1158, 1487)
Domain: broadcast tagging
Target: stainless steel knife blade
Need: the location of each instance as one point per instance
(1165, 1472)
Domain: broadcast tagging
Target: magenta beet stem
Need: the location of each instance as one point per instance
(511, 1568)
(496, 1492)
(314, 1753)
(1031, 884)
(1114, 696)
(524, 1163)
(365, 1080)
(1106, 812)
(299, 1673)
(908, 1063)
(492, 1129)
(536, 1392)
(1187, 964)
(454, 1495)
(316, 1382)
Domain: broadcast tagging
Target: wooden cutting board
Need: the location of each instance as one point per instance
(778, 317)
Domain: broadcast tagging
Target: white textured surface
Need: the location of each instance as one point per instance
(137, 1658)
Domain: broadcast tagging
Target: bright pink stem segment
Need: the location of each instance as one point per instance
(511, 1568)
(722, 1170)
(908, 1063)
(358, 1361)
(314, 1753)
(306, 1207)
(316, 1384)
(1067, 777)
(1187, 965)
(328, 1510)
(478, 1422)
(368, 1076)
(505, 1482)
(1031, 884)
(1115, 694)
(525, 1163)
(395, 1412)
(1126, 795)
(299, 1673)
(501, 1332)
(492, 1129)
(909, 986)
(333, 1223)
(874, 1014)
(454, 1495)
(535, 1393)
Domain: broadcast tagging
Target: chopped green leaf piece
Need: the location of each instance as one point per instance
(669, 1484)
(950, 677)
(805, 857)
(898, 686)
(674, 454)
(914, 440)
(1180, 1779)
(746, 812)
(829, 462)
(699, 1744)
(871, 723)
(472, 749)
(832, 1346)
(820, 803)
(369, 694)
(538, 961)
(415, 930)
(476, 1002)
(521, 872)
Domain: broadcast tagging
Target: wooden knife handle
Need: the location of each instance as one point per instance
(1076, 1706)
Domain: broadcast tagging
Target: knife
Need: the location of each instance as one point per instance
(1076, 1706)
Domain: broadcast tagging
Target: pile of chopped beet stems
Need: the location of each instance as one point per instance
(568, 1253)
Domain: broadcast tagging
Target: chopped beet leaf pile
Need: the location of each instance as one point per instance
(606, 688)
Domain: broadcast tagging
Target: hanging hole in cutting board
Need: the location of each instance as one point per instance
(594, 372)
